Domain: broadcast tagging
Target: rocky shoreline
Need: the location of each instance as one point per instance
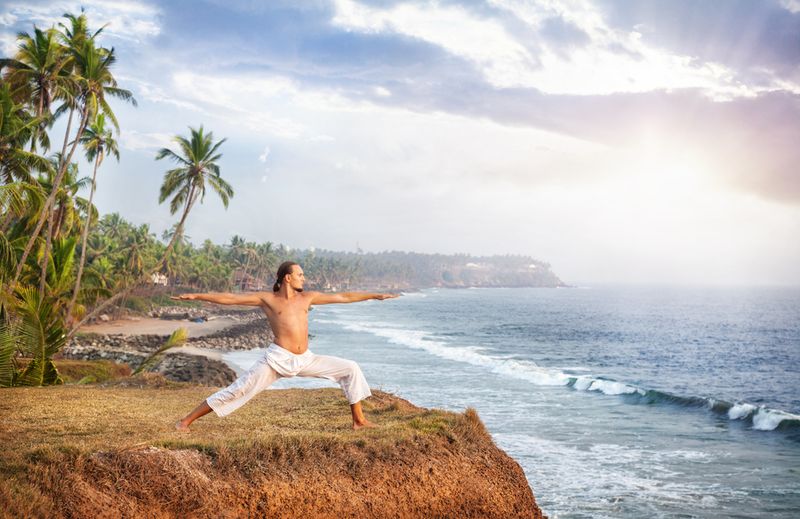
(199, 364)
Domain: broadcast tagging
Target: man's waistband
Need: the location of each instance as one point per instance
(277, 347)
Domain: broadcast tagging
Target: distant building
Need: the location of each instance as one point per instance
(247, 283)
(158, 278)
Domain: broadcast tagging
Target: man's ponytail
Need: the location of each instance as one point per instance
(283, 270)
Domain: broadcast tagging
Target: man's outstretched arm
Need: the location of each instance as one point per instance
(223, 298)
(319, 298)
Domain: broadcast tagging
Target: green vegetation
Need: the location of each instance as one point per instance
(87, 371)
(61, 263)
(45, 293)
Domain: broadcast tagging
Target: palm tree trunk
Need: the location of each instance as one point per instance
(45, 258)
(124, 292)
(179, 228)
(84, 239)
(244, 276)
(38, 126)
(50, 199)
(58, 217)
(66, 134)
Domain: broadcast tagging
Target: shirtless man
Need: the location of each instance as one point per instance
(286, 308)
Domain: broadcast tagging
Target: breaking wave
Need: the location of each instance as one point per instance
(761, 418)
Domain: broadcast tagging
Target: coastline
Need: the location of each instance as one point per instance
(158, 326)
(199, 360)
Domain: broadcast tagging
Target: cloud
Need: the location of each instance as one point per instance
(499, 56)
(154, 93)
(554, 47)
(126, 19)
(263, 156)
(739, 34)
(134, 140)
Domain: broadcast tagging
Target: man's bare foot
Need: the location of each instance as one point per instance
(365, 423)
(181, 427)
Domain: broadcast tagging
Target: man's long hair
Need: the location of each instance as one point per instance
(285, 268)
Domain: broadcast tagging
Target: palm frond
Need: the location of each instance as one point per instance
(177, 338)
(8, 347)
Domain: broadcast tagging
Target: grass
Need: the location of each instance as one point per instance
(70, 445)
(115, 417)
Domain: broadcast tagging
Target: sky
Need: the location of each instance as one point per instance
(655, 141)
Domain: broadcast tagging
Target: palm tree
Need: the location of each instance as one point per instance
(197, 165)
(136, 249)
(72, 38)
(35, 76)
(185, 184)
(92, 67)
(64, 211)
(17, 127)
(113, 225)
(97, 140)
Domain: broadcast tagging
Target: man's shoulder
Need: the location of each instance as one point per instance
(265, 296)
(309, 295)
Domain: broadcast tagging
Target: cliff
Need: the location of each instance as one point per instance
(111, 451)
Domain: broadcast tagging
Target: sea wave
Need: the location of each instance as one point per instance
(760, 417)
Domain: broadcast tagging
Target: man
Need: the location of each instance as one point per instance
(288, 356)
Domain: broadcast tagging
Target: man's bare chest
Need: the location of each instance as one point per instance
(287, 314)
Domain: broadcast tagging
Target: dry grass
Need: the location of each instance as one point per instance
(84, 371)
(86, 450)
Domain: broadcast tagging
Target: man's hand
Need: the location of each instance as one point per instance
(184, 297)
(386, 296)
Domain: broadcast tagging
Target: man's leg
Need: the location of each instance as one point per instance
(349, 376)
(359, 420)
(227, 400)
(201, 410)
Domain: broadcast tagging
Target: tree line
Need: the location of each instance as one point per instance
(60, 264)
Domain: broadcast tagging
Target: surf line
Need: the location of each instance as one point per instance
(761, 418)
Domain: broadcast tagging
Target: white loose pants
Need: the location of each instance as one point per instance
(279, 362)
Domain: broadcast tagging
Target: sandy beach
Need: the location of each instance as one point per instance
(153, 326)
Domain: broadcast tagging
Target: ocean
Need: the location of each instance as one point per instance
(617, 401)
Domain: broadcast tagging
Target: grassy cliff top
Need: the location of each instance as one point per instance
(85, 450)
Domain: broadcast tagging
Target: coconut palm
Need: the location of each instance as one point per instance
(65, 208)
(92, 67)
(135, 249)
(35, 75)
(17, 127)
(113, 225)
(97, 140)
(197, 166)
(72, 36)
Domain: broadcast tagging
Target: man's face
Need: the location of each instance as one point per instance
(297, 278)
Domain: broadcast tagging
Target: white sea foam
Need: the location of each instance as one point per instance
(583, 383)
(413, 294)
(603, 478)
(610, 387)
(769, 419)
(525, 370)
(742, 410)
(472, 355)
